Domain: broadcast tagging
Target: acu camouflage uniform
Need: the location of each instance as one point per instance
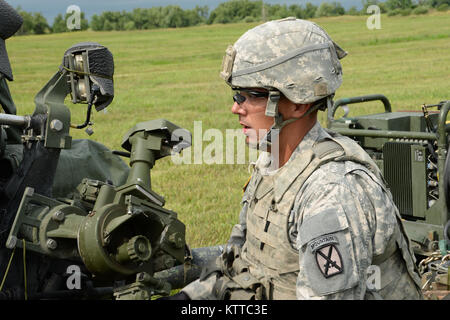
(315, 227)
(312, 229)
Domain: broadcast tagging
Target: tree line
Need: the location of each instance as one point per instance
(231, 11)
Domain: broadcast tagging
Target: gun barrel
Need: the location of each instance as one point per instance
(15, 121)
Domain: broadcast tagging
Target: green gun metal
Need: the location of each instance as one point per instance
(411, 150)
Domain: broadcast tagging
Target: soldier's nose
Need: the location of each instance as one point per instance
(236, 109)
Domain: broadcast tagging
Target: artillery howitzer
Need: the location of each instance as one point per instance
(411, 148)
(101, 240)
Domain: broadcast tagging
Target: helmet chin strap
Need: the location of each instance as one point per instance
(265, 143)
(272, 111)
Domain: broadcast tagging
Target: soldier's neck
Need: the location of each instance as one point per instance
(290, 137)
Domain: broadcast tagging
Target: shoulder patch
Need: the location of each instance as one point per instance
(322, 242)
(329, 260)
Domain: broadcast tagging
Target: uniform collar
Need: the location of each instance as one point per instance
(316, 133)
(299, 160)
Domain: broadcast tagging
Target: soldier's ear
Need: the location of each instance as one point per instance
(298, 110)
(290, 109)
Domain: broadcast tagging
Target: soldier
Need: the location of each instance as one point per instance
(317, 222)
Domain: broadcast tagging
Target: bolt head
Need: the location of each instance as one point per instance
(56, 125)
(52, 244)
(58, 216)
(11, 243)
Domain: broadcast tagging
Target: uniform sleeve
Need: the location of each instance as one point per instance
(239, 231)
(201, 289)
(336, 234)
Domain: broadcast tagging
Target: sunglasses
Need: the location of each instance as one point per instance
(252, 94)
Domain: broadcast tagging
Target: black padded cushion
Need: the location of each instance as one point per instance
(101, 63)
(10, 20)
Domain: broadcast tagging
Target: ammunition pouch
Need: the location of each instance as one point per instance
(234, 281)
(228, 289)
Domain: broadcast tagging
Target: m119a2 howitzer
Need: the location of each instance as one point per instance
(115, 238)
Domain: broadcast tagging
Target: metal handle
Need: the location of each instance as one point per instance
(15, 121)
(442, 141)
(345, 101)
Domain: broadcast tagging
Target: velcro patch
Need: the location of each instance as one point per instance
(227, 63)
(320, 89)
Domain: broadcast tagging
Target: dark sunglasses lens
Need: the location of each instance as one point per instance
(239, 98)
(258, 94)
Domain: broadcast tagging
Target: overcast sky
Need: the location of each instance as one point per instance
(51, 8)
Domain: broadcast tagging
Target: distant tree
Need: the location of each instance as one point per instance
(406, 11)
(278, 11)
(108, 25)
(122, 20)
(168, 17)
(40, 24)
(203, 12)
(60, 23)
(192, 18)
(112, 20)
(130, 25)
(154, 18)
(235, 11)
(84, 22)
(97, 23)
(173, 17)
(443, 7)
(353, 11)
(398, 4)
(421, 3)
(420, 10)
(437, 3)
(310, 10)
(249, 19)
(296, 11)
(143, 18)
(367, 3)
(245, 10)
(330, 9)
(28, 22)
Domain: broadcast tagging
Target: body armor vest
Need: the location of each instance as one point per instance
(268, 256)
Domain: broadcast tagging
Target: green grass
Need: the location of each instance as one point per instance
(173, 74)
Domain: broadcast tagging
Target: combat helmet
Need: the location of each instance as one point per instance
(290, 56)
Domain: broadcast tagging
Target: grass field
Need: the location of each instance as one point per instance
(173, 74)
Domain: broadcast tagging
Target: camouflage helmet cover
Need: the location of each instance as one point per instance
(295, 56)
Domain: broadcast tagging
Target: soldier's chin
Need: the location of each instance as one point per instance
(253, 144)
(256, 144)
(251, 139)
